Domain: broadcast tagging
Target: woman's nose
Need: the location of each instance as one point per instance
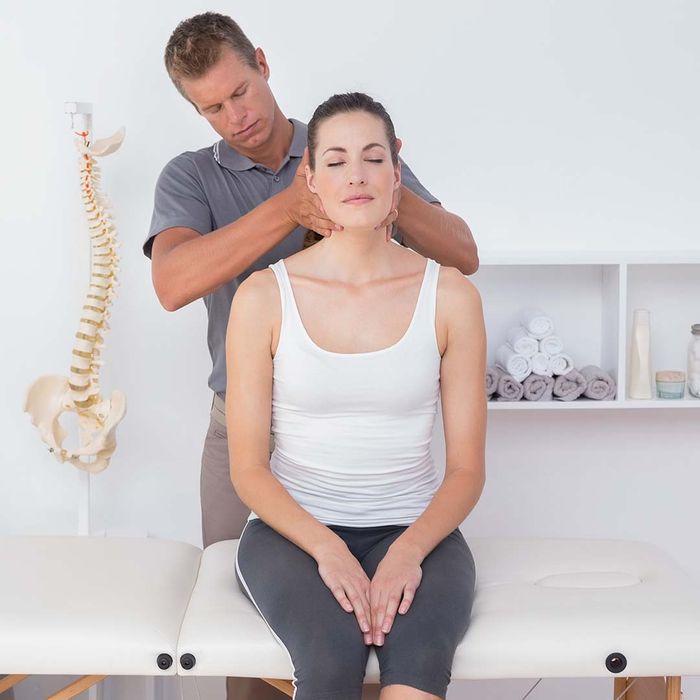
(357, 178)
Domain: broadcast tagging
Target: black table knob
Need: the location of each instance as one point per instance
(616, 662)
(165, 661)
(187, 661)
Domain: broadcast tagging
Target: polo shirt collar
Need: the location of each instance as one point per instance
(233, 160)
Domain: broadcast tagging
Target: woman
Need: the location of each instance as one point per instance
(343, 350)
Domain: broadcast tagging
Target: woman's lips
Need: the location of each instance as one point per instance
(358, 200)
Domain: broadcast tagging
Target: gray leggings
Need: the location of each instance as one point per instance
(325, 643)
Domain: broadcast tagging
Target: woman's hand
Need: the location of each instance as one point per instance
(304, 208)
(348, 582)
(392, 589)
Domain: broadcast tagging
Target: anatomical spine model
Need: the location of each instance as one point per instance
(51, 396)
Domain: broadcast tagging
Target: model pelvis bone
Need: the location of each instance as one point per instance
(49, 397)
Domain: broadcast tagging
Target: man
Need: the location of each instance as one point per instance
(225, 211)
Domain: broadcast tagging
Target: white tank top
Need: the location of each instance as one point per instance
(353, 430)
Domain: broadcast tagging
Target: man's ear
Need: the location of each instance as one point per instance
(263, 65)
(310, 179)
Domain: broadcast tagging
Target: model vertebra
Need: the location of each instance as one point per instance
(51, 396)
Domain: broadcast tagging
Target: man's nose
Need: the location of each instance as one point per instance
(234, 112)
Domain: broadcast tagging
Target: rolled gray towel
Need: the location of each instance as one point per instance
(493, 374)
(570, 386)
(538, 388)
(509, 389)
(600, 385)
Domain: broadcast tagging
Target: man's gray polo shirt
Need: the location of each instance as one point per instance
(207, 189)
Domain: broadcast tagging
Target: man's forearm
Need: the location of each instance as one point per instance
(201, 265)
(436, 233)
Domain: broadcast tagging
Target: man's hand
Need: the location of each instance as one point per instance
(304, 207)
(348, 583)
(393, 215)
(392, 589)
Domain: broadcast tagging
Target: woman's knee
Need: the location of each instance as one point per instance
(425, 667)
(331, 669)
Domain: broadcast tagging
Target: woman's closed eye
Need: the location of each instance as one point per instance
(369, 160)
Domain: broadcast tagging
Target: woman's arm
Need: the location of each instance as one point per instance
(248, 415)
(255, 306)
(462, 373)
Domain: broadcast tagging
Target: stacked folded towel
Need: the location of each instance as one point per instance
(521, 341)
(551, 345)
(493, 374)
(600, 385)
(536, 388)
(509, 389)
(591, 382)
(518, 366)
(537, 323)
(532, 347)
(532, 364)
(561, 363)
(541, 365)
(568, 387)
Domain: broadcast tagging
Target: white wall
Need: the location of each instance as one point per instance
(545, 125)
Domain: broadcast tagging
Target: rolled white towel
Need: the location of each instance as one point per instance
(518, 366)
(541, 364)
(561, 364)
(537, 323)
(521, 341)
(552, 345)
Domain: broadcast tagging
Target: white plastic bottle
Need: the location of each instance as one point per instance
(639, 386)
(694, 361)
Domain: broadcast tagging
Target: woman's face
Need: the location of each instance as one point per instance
(354, 176)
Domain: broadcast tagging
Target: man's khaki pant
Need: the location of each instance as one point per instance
(223, 518)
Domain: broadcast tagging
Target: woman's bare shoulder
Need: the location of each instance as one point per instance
(258, 293)
(457, 293)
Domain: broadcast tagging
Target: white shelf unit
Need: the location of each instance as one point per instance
(590, 297)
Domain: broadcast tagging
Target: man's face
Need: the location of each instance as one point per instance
(236, 100)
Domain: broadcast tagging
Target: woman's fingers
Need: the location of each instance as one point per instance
(360, 605)
(378, 607)
(386, 603)
(339, 593)
(392, 605)
(354, 600)
(408, 595)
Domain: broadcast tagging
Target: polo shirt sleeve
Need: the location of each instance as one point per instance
(179, 200)
(409, 179)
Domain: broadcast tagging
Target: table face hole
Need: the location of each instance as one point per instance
(589, 579)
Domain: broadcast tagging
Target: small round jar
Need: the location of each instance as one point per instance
(670, 384)
(694, 361)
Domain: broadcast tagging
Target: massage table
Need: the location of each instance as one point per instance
(544, 608)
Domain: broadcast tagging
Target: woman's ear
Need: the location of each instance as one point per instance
(310, 179)
(397, 174)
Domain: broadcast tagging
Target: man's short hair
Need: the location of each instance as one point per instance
(196, 44)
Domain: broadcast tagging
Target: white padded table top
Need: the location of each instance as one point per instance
(544, 608)
(92, 605)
